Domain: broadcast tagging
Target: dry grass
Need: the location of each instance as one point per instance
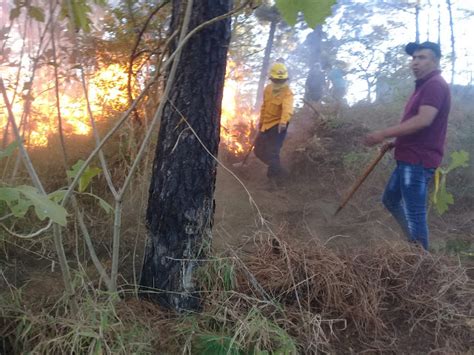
(278, 298)
(373, 300)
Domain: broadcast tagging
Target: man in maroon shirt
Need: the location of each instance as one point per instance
(419, 142)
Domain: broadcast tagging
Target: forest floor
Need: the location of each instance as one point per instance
(323, 167)
(306, 203)
(323, 159)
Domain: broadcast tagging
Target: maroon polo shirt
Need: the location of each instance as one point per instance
(426, 146)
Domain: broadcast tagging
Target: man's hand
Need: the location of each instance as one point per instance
(281, 127)
(374, 138)
(388, 146)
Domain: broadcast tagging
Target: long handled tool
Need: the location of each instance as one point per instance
(362, 178)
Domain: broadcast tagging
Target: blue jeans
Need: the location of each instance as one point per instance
(406, 198)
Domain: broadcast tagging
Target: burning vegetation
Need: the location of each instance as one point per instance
(36, 109)
(282, 292)
(238, 121)
(108, 97)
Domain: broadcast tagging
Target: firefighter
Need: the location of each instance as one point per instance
(275, 113)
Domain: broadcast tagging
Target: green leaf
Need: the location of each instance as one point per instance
(8, 150)
(314, 11)
(44, 207)
(21, 207)
(288, 10)
(14, 13)
(79, 18)
(459, 158)
(18, 205)
(443, 198)
(105, 206)
(81, 11)
(9, 194)
(86, 177)
(57, 196)
(440, 197)
(36, 12)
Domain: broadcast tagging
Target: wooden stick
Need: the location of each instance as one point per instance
(242, 163)
(248, 154)
(364, 176)
(319, 114)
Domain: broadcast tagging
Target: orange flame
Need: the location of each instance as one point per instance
(107, 96)
(238, 122)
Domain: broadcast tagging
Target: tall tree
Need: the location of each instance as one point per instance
(180, 205)
(266, 13)
(439, 24)
(315, 44)
(417, 21)
(453, 51)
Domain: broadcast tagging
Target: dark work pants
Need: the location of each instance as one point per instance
(267, 148)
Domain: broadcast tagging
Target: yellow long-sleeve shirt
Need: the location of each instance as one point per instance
(277, 106)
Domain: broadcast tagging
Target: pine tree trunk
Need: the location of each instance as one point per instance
(417, 19)
(265, 64)
(439, 25)
(181, 204)
(316, 45)
(453, 51)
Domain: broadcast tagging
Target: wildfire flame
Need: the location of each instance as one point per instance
(107, 96)
(238, 122)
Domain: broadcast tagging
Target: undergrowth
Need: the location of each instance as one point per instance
(49, 328)
(277, 299)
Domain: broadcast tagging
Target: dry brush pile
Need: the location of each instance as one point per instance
(309, 299)
(273, 297)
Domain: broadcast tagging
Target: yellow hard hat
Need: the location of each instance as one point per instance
(279, 71)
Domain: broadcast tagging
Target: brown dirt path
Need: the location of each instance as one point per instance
(305, 206)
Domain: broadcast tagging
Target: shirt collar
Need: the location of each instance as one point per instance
(421, 81)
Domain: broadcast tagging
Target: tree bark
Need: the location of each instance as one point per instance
(453, 51)
(316, 45)
(315, 79)
(439, 25)
(417, 21)
(265, 64)
(181, 204)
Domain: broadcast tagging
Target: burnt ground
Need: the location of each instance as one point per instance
(324, 158)
(324, 161)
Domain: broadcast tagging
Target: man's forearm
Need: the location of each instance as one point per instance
(410, 126)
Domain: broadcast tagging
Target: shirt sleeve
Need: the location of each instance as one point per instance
(286, 107)
(434, 95)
